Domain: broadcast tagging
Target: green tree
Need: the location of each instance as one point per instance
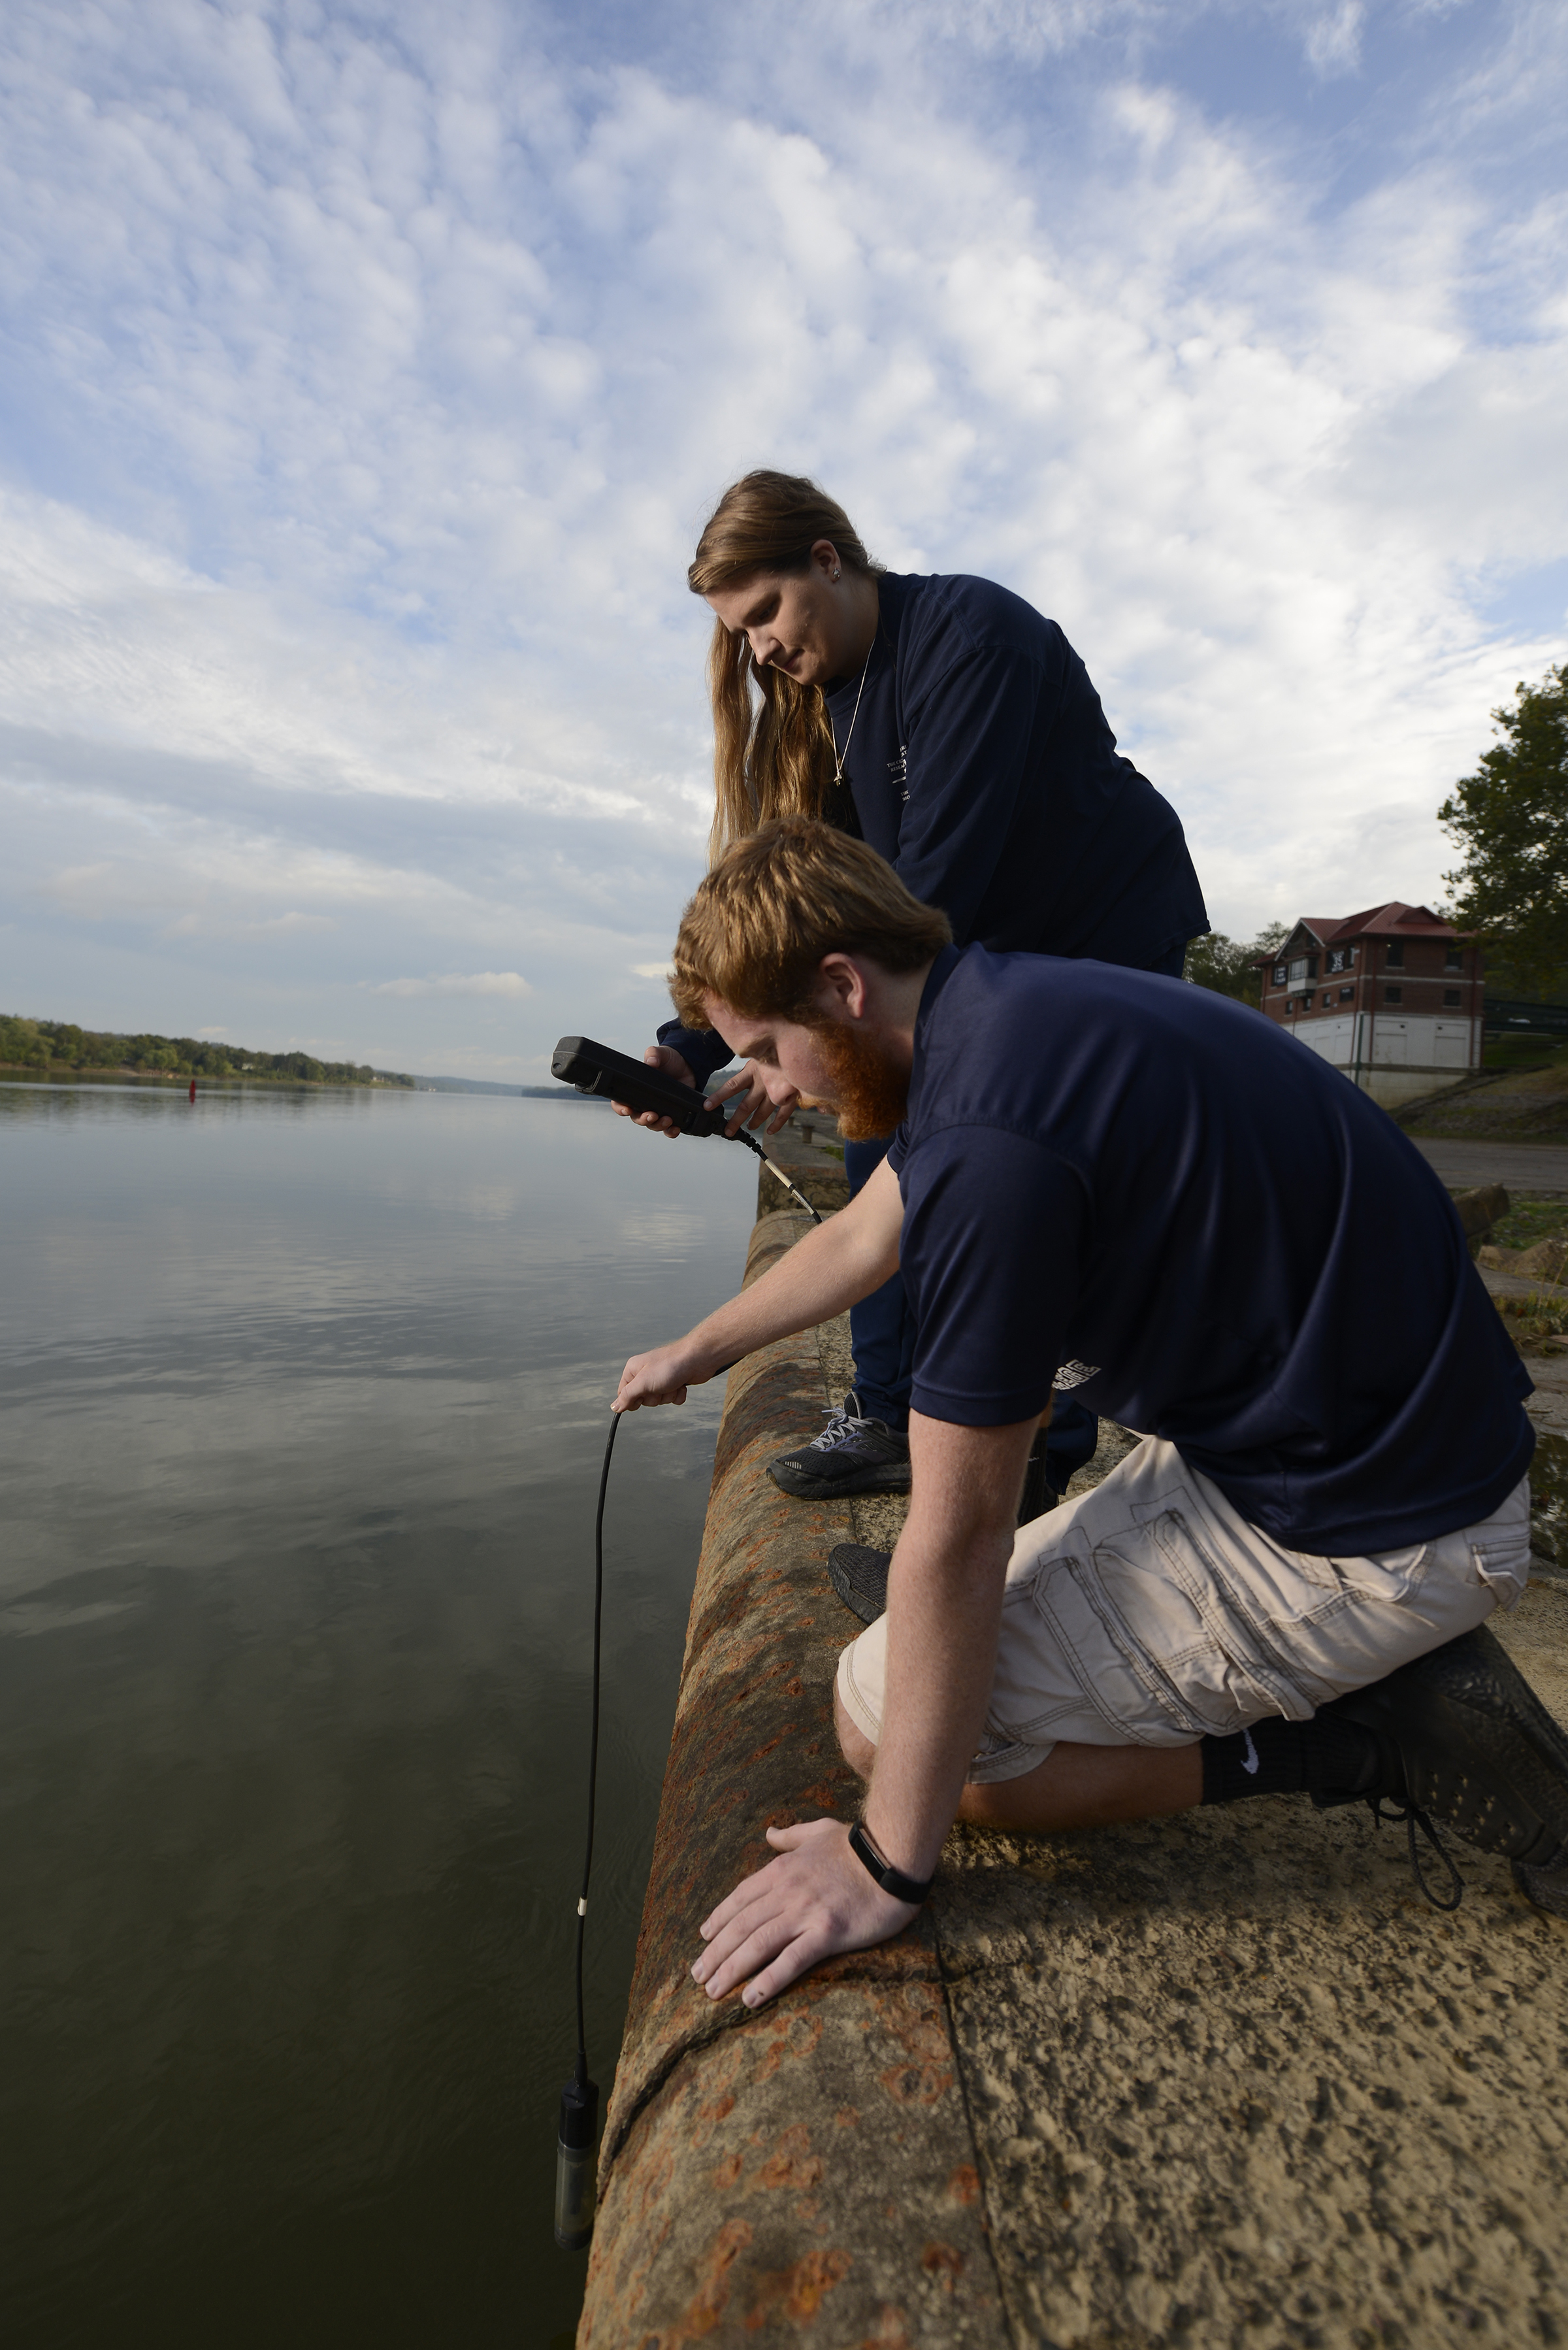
(1228, 966)
(1510, 822)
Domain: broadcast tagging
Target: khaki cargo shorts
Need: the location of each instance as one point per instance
(1149, 1613)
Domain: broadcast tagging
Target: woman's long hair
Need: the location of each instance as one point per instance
(773, 741)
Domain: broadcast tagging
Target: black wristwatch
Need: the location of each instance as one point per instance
(892, 1880)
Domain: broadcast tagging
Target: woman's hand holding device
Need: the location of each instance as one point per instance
(745, 1095)
(669, 1062)
(746, 1092)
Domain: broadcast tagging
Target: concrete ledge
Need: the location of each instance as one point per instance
(1223, 2081)
(811, 2168)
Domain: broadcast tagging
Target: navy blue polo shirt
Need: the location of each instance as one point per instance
(1212, 1236)
(980, 765)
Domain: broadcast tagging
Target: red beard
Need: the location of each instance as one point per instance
(870, 1092)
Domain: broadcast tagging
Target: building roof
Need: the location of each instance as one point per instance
(1394, 919)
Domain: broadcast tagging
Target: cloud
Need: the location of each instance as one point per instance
(371, 372)
(457, 982)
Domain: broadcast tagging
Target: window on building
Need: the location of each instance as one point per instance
(1280, 975)
(1393, 995)
(1454, 959)
(1451, 995)
(1396, 955)
(1290, 1003)
(1306, 1001)
(1347, 995)
(1298, 971)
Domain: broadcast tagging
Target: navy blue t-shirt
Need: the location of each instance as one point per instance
(1213, 1236)
(981, 767)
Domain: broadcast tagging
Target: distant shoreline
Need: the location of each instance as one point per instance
(179, 1081)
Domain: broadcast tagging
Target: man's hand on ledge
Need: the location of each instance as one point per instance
(814, 1900)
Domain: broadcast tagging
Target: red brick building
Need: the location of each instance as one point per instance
(1393, 997)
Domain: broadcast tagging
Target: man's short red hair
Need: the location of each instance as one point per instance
(777, 902)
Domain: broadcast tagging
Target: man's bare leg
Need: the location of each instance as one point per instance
(1075, 1787)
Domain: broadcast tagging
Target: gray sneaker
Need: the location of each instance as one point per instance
(852, 1455)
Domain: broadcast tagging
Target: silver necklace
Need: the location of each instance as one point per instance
(839, 757)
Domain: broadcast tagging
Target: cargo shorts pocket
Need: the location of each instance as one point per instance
(1161, 1640)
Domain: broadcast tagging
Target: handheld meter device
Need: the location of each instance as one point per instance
(600, 1069)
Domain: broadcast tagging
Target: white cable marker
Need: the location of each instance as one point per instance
(582, 1909)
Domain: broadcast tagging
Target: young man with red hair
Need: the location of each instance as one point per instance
(1104, 1180)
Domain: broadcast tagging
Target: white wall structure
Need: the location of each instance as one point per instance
(1394, 1058)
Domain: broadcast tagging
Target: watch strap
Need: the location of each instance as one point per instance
(892, 1880)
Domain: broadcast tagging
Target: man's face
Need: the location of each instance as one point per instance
(858, 1077)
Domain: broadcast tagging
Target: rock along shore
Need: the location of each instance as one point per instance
(1225, 2080)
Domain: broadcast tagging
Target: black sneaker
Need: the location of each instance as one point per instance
(852, 1455)
(1473, 1745)
(859, 1576)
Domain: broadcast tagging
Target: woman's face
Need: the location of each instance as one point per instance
(809, 623)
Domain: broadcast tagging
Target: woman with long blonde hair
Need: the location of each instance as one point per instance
(947, 722)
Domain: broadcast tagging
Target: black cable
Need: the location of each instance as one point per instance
(593, 1730)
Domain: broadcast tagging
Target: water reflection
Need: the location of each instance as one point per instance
(303, 1397)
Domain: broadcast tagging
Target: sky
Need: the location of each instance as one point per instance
(367, 371)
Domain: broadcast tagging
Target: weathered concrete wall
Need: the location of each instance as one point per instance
(1223, 2080)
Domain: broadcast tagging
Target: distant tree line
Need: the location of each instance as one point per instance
(59, 1044)
(1228, 966)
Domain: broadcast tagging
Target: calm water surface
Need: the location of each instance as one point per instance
(304, 1401)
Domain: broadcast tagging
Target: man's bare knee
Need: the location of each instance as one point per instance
(858, 1749)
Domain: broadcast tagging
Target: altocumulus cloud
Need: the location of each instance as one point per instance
(371, 370)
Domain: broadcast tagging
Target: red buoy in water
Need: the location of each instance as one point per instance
(193, 1090)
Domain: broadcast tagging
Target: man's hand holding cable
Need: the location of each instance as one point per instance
(664, 1373)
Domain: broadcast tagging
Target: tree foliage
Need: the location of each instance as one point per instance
(60, 1045)
(1228, 966)
(1510, 822)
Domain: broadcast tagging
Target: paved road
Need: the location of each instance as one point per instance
(1541, 1167)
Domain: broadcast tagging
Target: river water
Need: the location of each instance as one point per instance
(303, 1397)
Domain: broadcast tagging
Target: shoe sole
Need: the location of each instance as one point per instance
(1481, 1751)
(894, 1479)
(859, 1576)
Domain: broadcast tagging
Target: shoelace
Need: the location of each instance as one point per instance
(840, 1424)
(1411, 1817)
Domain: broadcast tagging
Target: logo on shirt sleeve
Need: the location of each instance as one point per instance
(899, 771)
(1073, 1375)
